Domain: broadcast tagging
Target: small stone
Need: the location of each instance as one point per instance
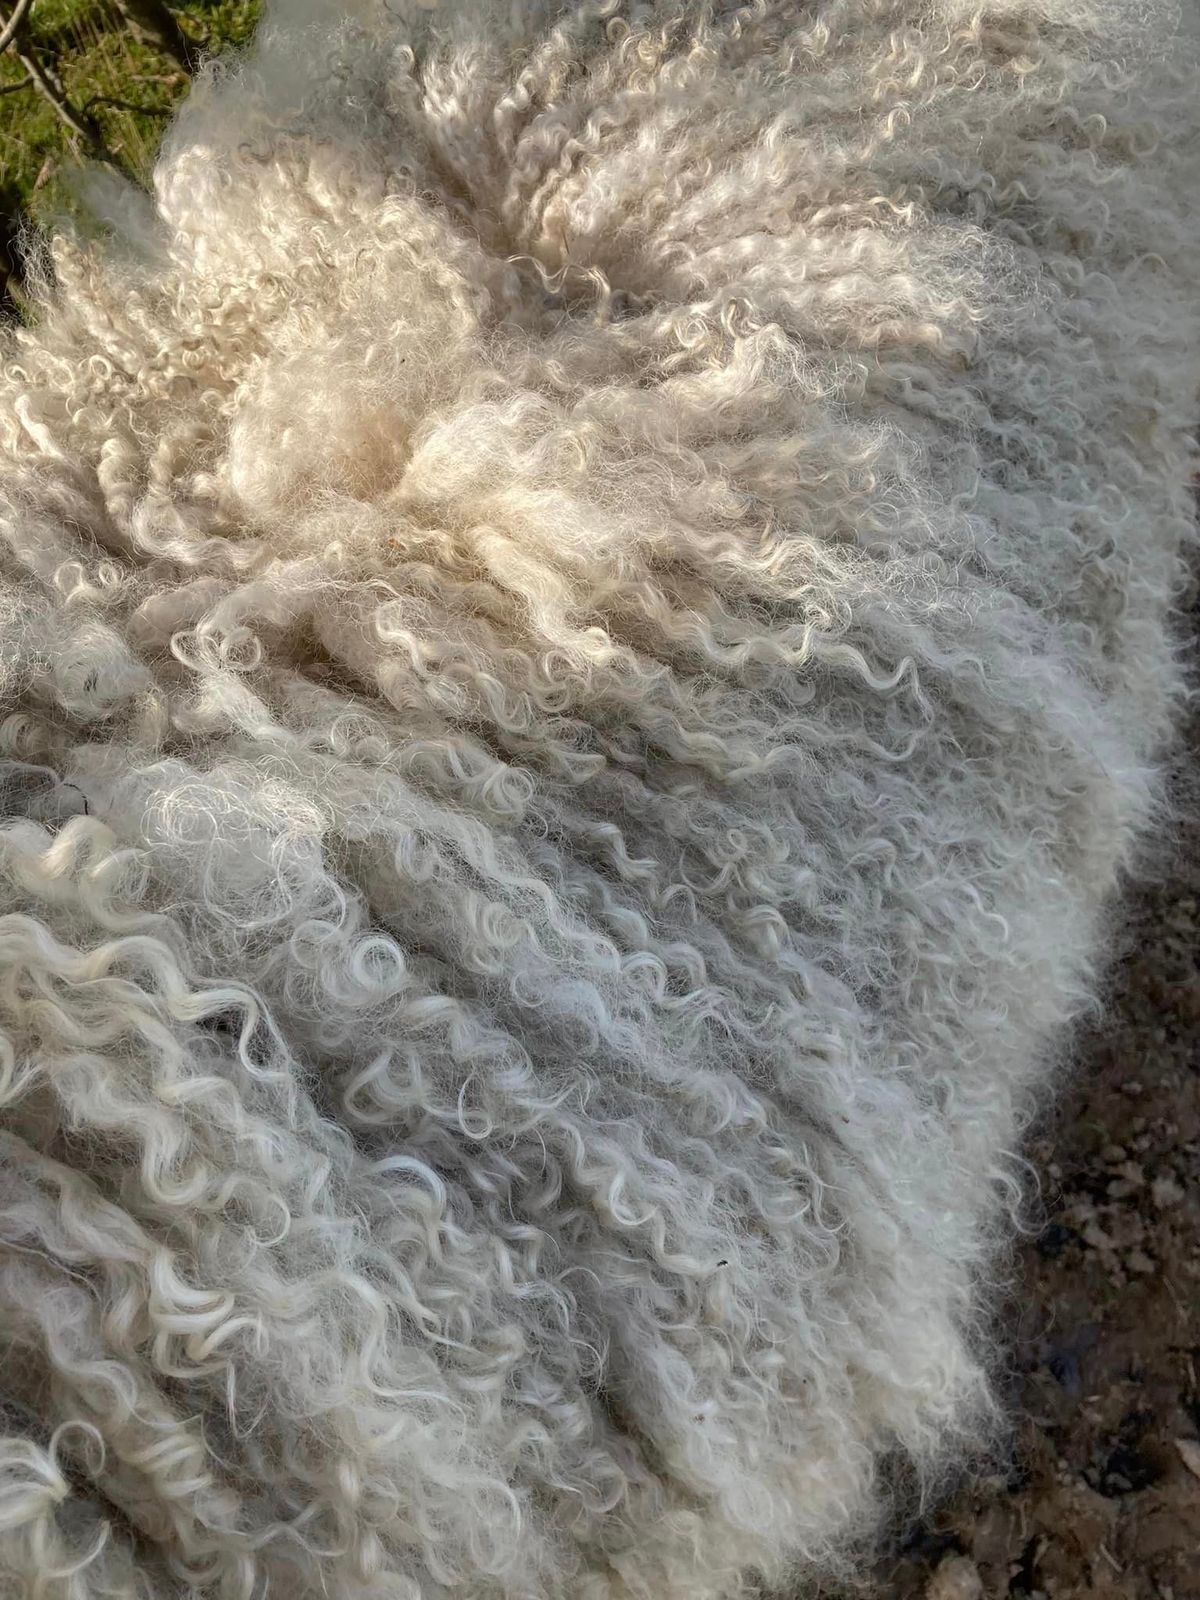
(1095, 1236)
(957, 1578)
(1165, 1192)
(1130, 1177)
(1189, 1454)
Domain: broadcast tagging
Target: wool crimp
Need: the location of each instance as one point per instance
(587, 634)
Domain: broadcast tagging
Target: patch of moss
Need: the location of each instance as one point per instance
(128, 89)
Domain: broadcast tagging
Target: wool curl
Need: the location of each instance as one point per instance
(587, 606)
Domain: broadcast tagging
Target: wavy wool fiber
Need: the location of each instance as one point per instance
(586, 635)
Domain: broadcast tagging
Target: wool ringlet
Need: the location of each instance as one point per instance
(586, 635)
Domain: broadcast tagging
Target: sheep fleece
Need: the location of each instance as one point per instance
(587, 633)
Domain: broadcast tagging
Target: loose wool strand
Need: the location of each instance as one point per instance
(586, 606)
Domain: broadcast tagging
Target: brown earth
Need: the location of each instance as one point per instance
(1101, 1500)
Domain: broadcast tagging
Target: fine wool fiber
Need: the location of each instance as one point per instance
(587, 634)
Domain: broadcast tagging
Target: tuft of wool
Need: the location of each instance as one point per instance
(586, 636)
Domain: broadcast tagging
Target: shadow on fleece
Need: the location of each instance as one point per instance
(586, 635)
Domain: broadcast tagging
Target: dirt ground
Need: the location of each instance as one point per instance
(1102, 1501)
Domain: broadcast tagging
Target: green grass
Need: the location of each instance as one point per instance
(127, 89)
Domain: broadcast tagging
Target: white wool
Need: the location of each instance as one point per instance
(587, 632)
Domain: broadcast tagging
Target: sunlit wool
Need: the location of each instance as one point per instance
(586, 635)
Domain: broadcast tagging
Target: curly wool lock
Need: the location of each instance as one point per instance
(586, 636)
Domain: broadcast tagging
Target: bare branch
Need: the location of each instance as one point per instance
(154, 25)
(13, 26)
(123, 105)
(48, 84)
(11, 88)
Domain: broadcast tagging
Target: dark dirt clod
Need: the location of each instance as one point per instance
(1104, 1499)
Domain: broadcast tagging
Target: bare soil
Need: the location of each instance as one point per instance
(1102, 1497)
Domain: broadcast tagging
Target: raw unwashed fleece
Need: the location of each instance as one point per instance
(587, 632)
